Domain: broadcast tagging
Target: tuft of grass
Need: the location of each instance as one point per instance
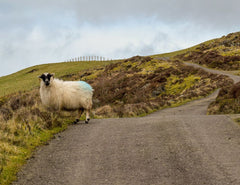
(227, 101)
(237, 120)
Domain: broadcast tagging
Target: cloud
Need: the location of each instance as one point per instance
(214, 12)
(44, 31)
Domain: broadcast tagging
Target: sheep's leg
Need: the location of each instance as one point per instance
(80, 111)
(76, 121)
(87, 116)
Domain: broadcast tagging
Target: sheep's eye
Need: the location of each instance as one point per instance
(49, 76)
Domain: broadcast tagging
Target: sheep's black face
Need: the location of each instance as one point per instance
(46, 78)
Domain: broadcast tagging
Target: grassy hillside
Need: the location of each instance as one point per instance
(172, 55)
(133, 87)
(27, 79)
(222, 53)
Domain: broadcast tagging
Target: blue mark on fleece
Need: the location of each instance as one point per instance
(85, 85)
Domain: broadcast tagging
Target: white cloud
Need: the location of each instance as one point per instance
(44, 31)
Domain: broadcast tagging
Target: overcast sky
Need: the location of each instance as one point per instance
(44, 31)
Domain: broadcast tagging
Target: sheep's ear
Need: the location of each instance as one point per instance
(41, 76)
(53, 74)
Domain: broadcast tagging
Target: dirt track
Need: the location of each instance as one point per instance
(174, 146)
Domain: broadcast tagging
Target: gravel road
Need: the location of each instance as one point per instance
(174, 146)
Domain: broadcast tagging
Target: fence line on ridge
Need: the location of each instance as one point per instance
(88, 58)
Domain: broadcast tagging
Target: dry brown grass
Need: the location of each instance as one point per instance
(24, 124)
(227, 101)
(140, 85)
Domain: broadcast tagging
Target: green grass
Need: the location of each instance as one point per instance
(14, 162)
(174, 86)
(221, 53)
(179, 52)
(25, 80)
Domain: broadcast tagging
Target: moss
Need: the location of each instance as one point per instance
(151, 66)
(147, 66)
(93, 75)
(177, 86)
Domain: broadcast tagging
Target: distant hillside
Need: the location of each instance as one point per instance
(222, 53)
(27, 79)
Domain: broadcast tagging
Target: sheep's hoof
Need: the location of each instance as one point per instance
(86, 122)
(76, 121)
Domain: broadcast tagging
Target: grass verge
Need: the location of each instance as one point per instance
(13, 163)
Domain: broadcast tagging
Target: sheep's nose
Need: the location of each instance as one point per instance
(47, 83)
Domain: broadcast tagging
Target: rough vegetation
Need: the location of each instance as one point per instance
(24, 124)
(227, 101)
(131, 89)
(222, 53)
(140, 85)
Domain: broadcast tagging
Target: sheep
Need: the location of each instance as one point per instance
(66, 95)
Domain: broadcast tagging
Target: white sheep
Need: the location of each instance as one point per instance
(66, 95)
